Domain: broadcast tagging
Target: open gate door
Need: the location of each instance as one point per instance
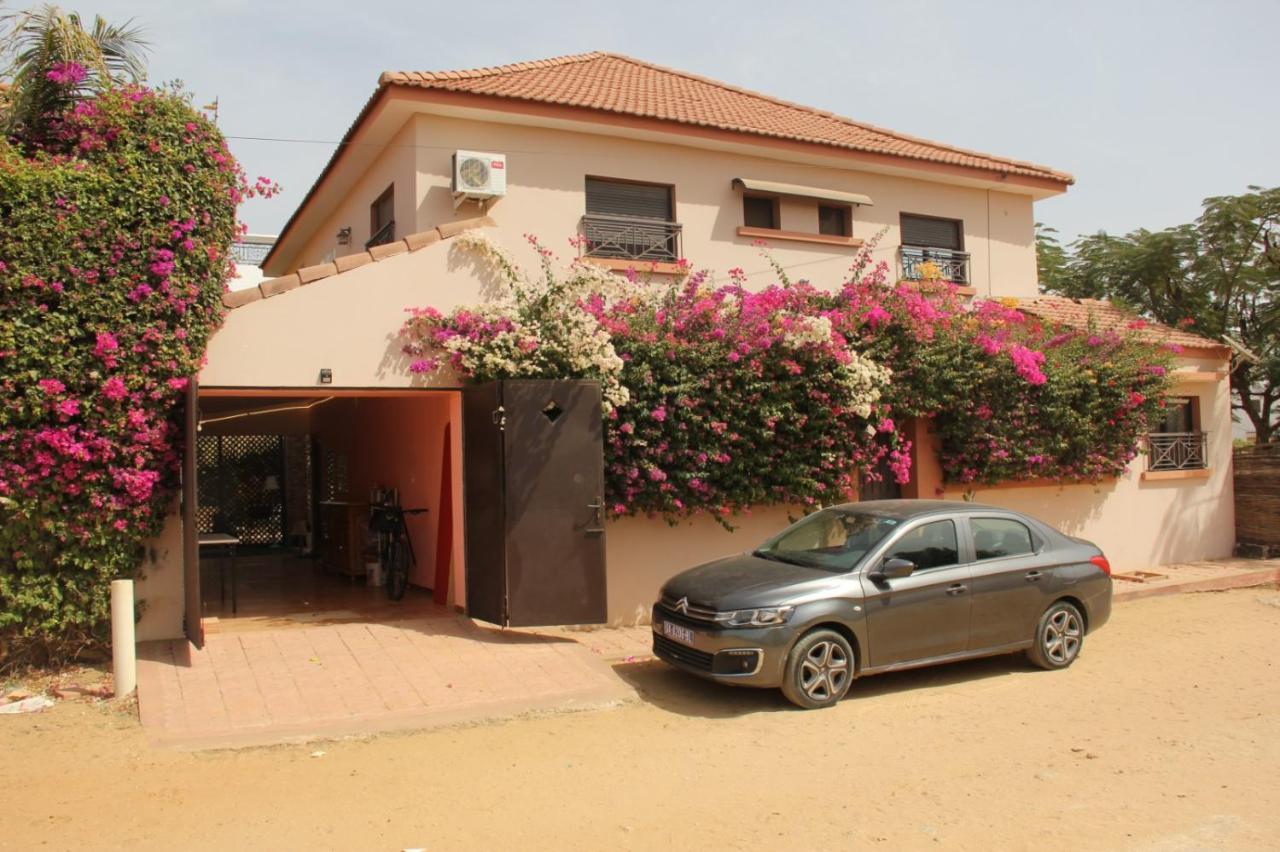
(534, 481)
(482, 502)
(192, 608)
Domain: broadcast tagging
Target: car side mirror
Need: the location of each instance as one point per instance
(893, 569)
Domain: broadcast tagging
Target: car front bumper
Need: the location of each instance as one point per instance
(751, 656)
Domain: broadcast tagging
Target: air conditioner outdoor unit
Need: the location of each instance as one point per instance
(478, 176)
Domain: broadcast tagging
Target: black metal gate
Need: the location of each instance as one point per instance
(533, 477)
(241, 480)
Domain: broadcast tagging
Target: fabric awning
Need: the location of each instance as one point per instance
(791, 189)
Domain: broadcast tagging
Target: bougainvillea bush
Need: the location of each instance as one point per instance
(1017, 399)
(114, 252)
(716, 398)
(719, 399)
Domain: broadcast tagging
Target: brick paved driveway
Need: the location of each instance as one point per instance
(334, 680)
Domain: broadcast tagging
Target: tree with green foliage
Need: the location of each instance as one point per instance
(49, 60)
(1218, 276)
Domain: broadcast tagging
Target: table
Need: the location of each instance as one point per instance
(227, 544)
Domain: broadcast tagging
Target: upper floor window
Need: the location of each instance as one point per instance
(760, 211)
(1179, 444)
(835, 220)
(933, 247)
(932, 232)
(382, 218)
(631, 221)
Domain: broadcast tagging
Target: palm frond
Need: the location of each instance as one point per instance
(37, 41)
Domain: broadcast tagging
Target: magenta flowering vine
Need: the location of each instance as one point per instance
(115, 234)
(732, 398)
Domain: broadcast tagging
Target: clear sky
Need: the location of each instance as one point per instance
(1153, 106)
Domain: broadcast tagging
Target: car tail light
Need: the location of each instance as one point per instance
(1101, 562)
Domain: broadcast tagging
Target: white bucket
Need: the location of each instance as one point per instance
(373, 574)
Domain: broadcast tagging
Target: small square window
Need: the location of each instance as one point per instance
(833, 220)
(760, 211)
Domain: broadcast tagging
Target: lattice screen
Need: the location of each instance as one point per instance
(241, 484)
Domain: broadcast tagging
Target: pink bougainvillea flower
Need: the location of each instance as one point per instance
(51, 386)
(876, 317)
(114, 389)
(67, 73)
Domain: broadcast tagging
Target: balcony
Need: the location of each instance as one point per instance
(953, 266)
(385, 234)
(631, 238)
(1177, 451)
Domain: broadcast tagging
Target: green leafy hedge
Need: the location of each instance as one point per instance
(114, 252)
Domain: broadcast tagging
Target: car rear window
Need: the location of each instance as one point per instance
(995, 538)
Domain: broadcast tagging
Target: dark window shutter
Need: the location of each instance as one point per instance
(615, 198)
(833, 221)
(759, 212)
(931, 233)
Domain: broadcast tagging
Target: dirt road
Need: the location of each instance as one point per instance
(1165, 735)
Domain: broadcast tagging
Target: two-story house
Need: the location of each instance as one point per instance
(639, 166)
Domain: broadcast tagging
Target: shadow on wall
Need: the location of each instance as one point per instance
(492, 286)
(1069, 508)
(486, 270)
(1190, 518)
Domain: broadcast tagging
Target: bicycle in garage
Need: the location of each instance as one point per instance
(395, 549)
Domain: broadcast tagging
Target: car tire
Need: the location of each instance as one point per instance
(1059, 637)
(820, 668)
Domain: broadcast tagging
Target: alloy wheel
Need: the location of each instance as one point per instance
(824, 671)
(1061, 639)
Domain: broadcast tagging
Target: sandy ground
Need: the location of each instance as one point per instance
(1165, 735)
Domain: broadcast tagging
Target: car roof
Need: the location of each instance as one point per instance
(903, 510)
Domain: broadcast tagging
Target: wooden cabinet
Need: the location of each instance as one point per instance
(344, 531)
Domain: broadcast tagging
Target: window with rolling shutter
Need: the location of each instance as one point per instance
(630, 221)
(930, 232)
(621, 198)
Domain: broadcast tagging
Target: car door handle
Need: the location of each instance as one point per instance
(957, 589)
(1033, 576)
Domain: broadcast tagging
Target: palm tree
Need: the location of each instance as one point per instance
(48, 59)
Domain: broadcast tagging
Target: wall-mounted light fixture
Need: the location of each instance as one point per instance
(326, 376)
(344, 236)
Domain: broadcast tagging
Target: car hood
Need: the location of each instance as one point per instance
(743, 581)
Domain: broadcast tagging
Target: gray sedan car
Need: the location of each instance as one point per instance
(879, 586)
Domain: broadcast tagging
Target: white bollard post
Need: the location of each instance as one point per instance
(124, 660)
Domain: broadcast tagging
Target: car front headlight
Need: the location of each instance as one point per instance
(762, 617)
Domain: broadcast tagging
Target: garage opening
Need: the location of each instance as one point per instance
(286, 487)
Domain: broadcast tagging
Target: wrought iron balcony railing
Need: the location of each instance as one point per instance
(631, 238)
(953, 265)
(1177, 451)
(385, 234)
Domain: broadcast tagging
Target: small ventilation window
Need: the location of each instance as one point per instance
(552, 411)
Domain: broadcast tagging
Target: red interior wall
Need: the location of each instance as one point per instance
(393, 442)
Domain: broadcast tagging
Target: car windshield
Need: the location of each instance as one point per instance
(831, 539)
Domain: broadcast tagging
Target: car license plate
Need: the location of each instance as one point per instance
(675, 631)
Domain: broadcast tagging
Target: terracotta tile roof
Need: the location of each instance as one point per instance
(612, 83)
(1103, 316)
(310, 274)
